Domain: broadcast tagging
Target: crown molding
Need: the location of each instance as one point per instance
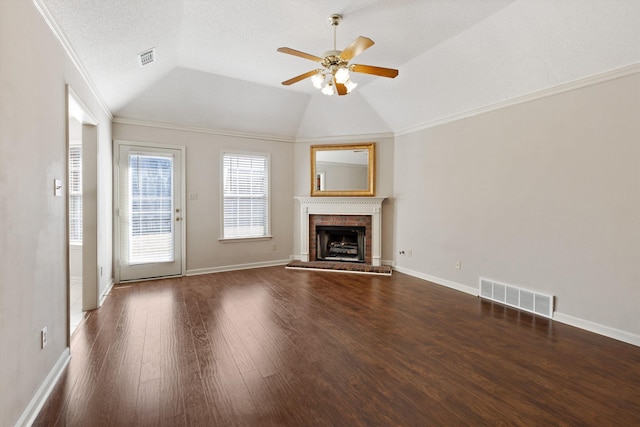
(212, 131)
(348, 138)
(48, 18)
(249, 135)
(555, 90)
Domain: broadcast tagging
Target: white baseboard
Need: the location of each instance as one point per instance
(198, 271)
(586, 325)
(607, 331)
(437, 280)
(106, 292)
(37, 402)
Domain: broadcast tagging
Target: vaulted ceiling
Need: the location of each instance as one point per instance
(217, 67)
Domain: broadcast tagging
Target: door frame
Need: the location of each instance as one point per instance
(90, 269)
(117, 143)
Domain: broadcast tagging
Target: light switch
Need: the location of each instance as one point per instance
(193, 196)
(57, 187)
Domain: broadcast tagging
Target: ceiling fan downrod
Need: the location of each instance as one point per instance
(335, 20)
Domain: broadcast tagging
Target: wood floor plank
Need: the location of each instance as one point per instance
(277, 347)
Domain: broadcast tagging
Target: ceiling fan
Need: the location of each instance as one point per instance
(334, 76)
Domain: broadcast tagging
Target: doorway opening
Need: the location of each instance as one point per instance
(82, 265)
(74, 159)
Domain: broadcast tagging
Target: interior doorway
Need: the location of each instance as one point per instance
(74, 167)
(82, 268)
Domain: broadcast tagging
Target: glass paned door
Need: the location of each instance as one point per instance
(149, 213)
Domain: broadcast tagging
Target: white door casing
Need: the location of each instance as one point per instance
(149, 211)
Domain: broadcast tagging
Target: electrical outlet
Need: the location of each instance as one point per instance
(401, 252)
(274, 247)
(459, 265)
(193, 196)
(43, 338)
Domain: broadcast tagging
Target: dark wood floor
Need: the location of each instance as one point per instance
(276, 347)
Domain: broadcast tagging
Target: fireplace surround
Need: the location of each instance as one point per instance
(336, 222)
(345, 209)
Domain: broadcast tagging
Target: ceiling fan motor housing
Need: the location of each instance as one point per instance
(332, 60)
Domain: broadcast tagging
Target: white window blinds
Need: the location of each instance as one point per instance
(150, 206)
(246, 195)
(75, 194)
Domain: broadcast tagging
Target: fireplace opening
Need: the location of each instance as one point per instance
(340, 243)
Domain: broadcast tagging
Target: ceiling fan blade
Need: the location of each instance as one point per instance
(300, 77)
(342, 89)
(300, 54)
(377, 71)
(358, 46)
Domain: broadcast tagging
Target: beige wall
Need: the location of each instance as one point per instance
(204, 251)
(33, 252)
(544, 195)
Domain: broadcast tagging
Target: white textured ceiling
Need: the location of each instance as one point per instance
(217, 66)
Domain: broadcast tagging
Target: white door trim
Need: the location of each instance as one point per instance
(116, 199)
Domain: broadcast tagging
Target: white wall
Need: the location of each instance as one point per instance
(33, 260)
(543, 195)
(205, 252)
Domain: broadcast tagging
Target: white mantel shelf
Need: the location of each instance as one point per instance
(342, 206)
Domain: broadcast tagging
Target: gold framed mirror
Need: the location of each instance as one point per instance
(343, 170)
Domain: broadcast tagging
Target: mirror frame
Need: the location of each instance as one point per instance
(371, 169)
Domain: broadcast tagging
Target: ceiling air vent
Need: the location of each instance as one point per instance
(147, 57)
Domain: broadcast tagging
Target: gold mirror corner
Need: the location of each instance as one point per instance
(343, 170)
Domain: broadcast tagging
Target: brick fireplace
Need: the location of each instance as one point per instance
(347, 221)
(350, 211)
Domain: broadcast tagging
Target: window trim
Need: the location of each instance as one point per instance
(236, 239)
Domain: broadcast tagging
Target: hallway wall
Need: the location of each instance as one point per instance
(33, 254)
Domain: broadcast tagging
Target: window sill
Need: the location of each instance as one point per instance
(244, 239)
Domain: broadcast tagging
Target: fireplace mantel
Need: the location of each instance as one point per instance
(342, 206)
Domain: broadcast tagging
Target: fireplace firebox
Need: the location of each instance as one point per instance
(340, 243)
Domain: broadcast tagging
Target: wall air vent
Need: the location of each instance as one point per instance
(147, 57)
(523, 299)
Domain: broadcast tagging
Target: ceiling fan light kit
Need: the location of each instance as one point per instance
(335, 72)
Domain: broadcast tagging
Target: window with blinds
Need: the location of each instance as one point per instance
(150, 206)
(246, 195)
(75, 194)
